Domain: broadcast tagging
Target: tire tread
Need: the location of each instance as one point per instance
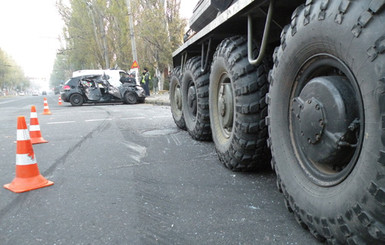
(336, 230)
(200, 129)
(177, 77)
(248, 149)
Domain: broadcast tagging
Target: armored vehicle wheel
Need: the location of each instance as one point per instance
(237, 107)
(76, 100)
(195, 104)
(176, 98)
(130, 97)
(327, 119)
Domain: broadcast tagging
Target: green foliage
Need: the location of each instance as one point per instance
(11, 74)
(61, 71)
(97, 35)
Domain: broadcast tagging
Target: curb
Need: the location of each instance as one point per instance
(158, 103)
(161, 99)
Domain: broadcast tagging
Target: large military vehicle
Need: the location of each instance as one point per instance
(300, 85)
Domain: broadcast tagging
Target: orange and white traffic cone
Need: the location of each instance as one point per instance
(28, 176)
(34, 128)
(46, 108)
(60, 103)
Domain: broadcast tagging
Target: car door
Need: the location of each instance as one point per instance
(92, 91)
(114, 91)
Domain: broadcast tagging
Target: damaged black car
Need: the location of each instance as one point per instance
(97, 89)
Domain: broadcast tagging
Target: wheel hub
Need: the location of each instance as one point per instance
(225, 105)
(311, 119)
(192, 100)
(178, 98)
(322, 116)
(222, 106)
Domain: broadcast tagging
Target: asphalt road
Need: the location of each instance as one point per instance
(125, 174)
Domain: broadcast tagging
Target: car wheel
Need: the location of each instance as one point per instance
(76, 100)
(327, 120)
(130, 98)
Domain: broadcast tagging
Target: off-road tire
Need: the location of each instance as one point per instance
(237, 107)
(347, 207)
(130, 97)
(195, 101)
(176, 98)
(76, 100)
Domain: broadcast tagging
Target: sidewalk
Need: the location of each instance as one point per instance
(162, 98)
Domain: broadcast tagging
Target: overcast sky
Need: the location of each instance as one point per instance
(30, 30)
(29, 33)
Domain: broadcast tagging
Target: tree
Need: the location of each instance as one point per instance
(96, 34)
(160, 31)
(11, 74)
(61, 71)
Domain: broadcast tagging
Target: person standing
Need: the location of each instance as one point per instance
(155, 82)
(145, 81)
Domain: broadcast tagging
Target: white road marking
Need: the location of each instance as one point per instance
(61, 122)
(98, 120)
(6, 102)
(132, 118)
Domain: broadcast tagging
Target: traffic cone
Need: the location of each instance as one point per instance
(60, 101)
(34, 128)
(28, 176)
(46, 109)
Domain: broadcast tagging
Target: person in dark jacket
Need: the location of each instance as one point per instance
(145, 81)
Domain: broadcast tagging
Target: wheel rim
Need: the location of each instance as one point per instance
(225, 105)
(192, 100)
(326, 120)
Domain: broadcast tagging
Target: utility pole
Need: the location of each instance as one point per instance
(132, 34)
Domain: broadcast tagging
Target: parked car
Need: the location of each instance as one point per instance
(57, 89)
(97, 89)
